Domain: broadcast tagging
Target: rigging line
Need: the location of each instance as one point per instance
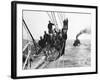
(54, 19)
(59, 19)
(29, 52)
(27, 33)
(61, 16)
(30, 35)
(49, 16)
(28, 30)
(64, 16)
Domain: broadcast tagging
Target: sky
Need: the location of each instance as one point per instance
(37, 23)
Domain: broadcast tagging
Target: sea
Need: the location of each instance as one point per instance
(79, 56)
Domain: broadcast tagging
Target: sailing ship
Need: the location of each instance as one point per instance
(33, 53)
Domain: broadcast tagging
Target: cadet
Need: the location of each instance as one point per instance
(41, 42)
(46, 38)
(50, 27)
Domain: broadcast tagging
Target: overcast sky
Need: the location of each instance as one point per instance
(37, 23)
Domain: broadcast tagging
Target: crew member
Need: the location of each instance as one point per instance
(64, 34)
(41, 42)
(50, 27)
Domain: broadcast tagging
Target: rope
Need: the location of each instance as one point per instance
(27, 45)
(50, 16)
(34, 42)
(29, 52)
(55, 19)
(60, 19)
(61, 16)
